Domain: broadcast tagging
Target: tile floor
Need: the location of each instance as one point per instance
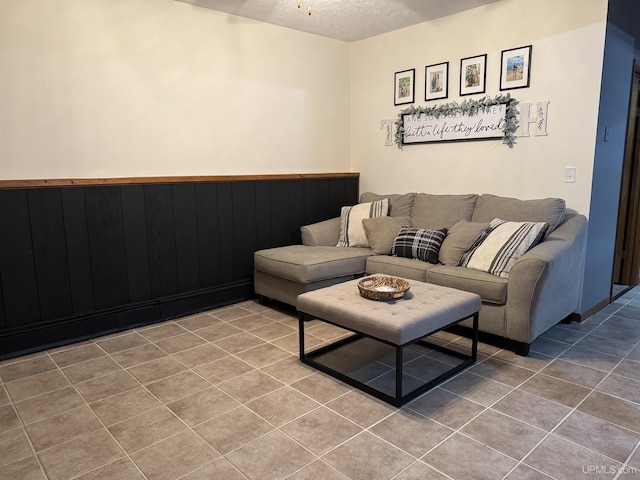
(222, 395)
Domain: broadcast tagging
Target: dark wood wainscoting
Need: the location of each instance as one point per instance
(79, 259)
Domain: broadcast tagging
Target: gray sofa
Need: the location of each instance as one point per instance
(543, 286)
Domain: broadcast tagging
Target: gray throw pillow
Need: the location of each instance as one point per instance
(460, 239)
(382, 231)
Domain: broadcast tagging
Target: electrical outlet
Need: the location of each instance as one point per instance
(569, 174)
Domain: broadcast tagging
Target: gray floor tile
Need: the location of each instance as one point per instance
(366, 456)
(446, 408)
(282, 406)
(174, 457)
(532, 409)
(476, 388)
(503, 433)
(321, 430)
(555, 389)
(599, 435)
(478, 462)
(271, 457)
(563, 459)
(233, 429)
(411, 432)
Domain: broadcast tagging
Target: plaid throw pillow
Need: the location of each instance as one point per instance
(418, 243)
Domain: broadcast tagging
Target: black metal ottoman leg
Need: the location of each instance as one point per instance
(301, 333)
(399, 375)
(474, 344)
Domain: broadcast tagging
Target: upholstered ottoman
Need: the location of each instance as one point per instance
(398, 324)
(285, 272)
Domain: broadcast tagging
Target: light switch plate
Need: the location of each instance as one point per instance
(570, 175)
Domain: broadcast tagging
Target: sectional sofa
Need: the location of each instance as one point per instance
(539, 287)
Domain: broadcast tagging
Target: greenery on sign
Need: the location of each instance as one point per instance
(468, 108)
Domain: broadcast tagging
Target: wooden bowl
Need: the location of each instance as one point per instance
(383, 287)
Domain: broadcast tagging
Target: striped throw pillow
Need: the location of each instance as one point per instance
(502, 244)
(352, 233)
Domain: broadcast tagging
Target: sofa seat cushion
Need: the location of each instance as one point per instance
(305, 264)
(492, 289)
(408, 268)
(549, 210)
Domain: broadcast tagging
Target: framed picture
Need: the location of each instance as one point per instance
(515, 68)
(404, 87)
(473, 74)
(436, 81)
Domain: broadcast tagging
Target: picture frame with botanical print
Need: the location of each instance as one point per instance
(404, 87)
(436, 81)
(473, 74)
(515, 68)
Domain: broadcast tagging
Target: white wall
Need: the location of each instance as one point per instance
(118, 88)
(568, 40)
(157, 87)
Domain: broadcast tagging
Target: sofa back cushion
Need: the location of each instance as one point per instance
(549, 210)
(399, 204)
(441, 211)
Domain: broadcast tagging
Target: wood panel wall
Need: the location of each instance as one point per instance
(78, 259)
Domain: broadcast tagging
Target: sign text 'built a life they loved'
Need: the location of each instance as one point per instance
(483, 124)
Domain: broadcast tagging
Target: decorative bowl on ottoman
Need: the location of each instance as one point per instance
(383, 287)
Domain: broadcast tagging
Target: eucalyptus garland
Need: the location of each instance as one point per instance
(468, 107)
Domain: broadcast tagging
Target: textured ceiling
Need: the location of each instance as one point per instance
(347, 20)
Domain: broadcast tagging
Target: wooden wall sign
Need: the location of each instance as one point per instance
(485, 118)
(483, 124)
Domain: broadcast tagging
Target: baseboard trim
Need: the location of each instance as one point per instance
(34, 338)
(581, 317)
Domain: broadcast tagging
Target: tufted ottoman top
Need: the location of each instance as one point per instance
(423, 310)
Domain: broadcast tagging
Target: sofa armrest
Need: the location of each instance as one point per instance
(325, 233)
(545, 284)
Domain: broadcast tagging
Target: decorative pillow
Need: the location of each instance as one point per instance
(497, 250)
(351, 230)
(418, 243)
(459, 239)
(382, 231)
